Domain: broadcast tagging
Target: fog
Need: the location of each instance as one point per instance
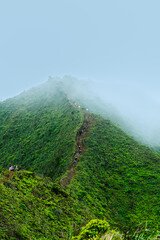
(133, 105)
(138, 104)
(113, 46)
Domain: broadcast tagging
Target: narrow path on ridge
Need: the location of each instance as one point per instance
(80, 147)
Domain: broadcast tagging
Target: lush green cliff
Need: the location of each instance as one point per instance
(118, 178)
(38, 129)
(114, 178)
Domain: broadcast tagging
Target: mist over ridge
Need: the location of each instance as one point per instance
(137, 104)
(134, 106)
(114, 45)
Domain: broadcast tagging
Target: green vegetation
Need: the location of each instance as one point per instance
(95, 228)
(38, 130)
(116, 181)
(119, 179)
(32, 207)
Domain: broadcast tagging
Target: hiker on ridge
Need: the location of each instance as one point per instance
(11, 168)
(16, 168)
(80, 132)
(75, 160)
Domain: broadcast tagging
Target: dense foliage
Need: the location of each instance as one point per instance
(94, 229)
(38, 129)
(116, 179)
(119, 179)
(32, 207)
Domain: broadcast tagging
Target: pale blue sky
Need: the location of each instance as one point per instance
(115, 43)
(92, 39)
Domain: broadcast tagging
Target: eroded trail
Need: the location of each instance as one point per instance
(80, 147)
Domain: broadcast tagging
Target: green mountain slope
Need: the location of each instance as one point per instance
(38, 129)
(113, 178)
(32, 207)
(119, 179)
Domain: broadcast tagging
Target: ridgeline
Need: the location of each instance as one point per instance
(74, 166)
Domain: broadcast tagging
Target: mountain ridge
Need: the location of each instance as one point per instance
(40, 131)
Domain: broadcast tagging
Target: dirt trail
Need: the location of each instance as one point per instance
(80, 147)
(7, 177)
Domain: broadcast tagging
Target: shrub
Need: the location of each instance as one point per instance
(95, 228)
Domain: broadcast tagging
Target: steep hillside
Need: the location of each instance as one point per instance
(119, 179)
(101, 168)
(32, 207)
(38, 130)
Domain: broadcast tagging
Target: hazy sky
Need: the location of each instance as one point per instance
(116, 43)
(91, 39)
